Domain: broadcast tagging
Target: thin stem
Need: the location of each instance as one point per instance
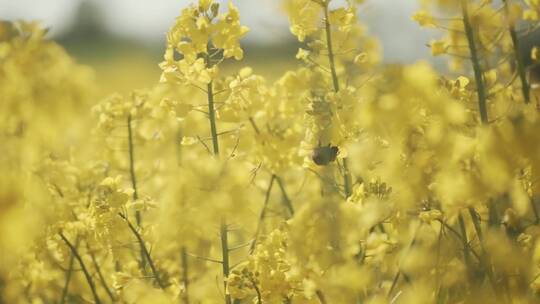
(460, 237)
(335, 82)
(185, 277)
(286, 199)
(399, 272)
(476, 223)
(233, 248)
(394, 282)
(212, 113)
(144, 251)
(467, 256)
(437, 263)
(100, 274)
(255, 128)
(493, 213)
(321, 297)
(257, 290)
(535, 211)
(132, 166)
(205, 258)
(68, 278)
(212, 117)
(225, 255)
(262, 214)
(519, 61)
(479, 78)
(131, 150)
(133, 176)
(83, 267)
(346, 178)
(465, 242)
(483, 261)
(331, 59)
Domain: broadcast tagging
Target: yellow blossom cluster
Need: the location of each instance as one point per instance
(345, 180)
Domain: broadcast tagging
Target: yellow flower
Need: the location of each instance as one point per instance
(424, 19)
(196, 35)
(303, 15)
(204, 5)
(438, 47)
(430, 215)
(302, 54)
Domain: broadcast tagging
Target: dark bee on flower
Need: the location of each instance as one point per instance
(322, 156)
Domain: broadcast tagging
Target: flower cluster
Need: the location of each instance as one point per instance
(344, 180)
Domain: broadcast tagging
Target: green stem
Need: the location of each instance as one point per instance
(212, 112)
(484, 259)
(223, 227)
(465, 241)
(144, 250)
(535, 211)
(185, 277)
(83, 267)
(133, 177)
(399, 272)
(346, 178)
(494, 219)
(286, 199)
(131, 150)
(329, 46)
(477, 227)
(437, 268)
(257, 290)
(335, 82)
(68, 278)
(262, 214)
(479, 78)
(321, 297)
(225, 255)
(460, 238)
(254, 125)
(519, 61)
(212, 118)
(100, 274)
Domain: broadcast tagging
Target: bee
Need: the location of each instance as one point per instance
(322, 156)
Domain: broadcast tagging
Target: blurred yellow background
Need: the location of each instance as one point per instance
(127, 37)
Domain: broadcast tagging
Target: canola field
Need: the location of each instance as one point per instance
(343, 180)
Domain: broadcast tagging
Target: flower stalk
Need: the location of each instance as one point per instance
(212, 111)
(144, 250)
(475, 59)
(525, 88)
(223, 233)
(68, 278)
(185, 276)
(87, 275)
(335, 81)
(132, 175)
(286, 199)
(133, 178)
(262, 214)
(100, 274)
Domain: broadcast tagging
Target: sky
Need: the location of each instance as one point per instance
(147, 21)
